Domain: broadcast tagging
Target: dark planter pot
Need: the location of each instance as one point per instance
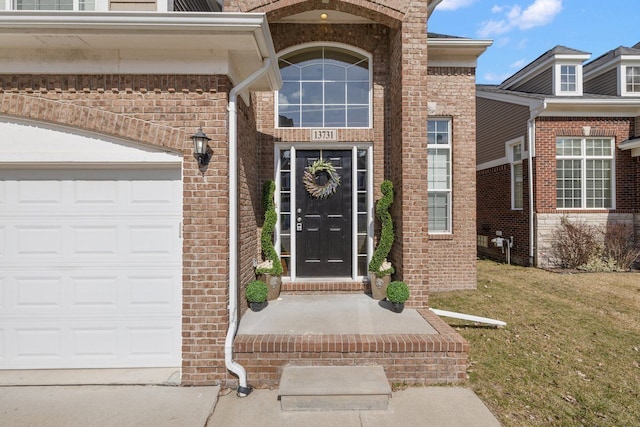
(257, 306)
(397, 307)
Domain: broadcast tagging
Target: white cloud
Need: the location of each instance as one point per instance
(454, 4)
(497, 9)
(537, 14)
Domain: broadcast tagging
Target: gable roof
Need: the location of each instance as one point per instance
(541, 62)
(609, 56)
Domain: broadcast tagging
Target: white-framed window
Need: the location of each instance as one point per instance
(439, 175)
(585, 173)
(632, 80)
(517, 189)
(567, 79)
(324, 86)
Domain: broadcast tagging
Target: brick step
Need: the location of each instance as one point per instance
(329, 388)
(313, 287)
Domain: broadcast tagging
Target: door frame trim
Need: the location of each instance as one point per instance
(354, 147)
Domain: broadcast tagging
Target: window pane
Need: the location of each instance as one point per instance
(335, 116)
(598, 183)
(438, 212)
(362, 159)
(357, 117)
(334, 72)
(311, 93)
(289, 93)
(312, 116)
(334, 93)
(359, 71)
(517, 186)
(358, 92)
(312, 70)
(289, 116)
(289, 72)
(285, 181)
(438, 169)
(285, 160)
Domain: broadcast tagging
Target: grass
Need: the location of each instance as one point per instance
(570, 353)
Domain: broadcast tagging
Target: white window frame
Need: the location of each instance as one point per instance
(623, 80)
(511, 145)
(329, 45)
(583, 158)
(557, 74)
(448, 192)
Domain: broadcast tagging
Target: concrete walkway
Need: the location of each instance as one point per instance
(415, 406)
(106, 406)
(165, 406)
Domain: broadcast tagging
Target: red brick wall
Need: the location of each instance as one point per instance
(161, 111)
(549, 128)
(494, 213)
(452, 258)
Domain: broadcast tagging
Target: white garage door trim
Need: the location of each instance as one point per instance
(90, 260)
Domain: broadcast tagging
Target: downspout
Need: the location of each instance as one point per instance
(531, 137)
(233, 366)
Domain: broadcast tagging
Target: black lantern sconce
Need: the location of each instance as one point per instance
(201, 149)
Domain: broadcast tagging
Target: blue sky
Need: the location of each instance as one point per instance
(522, 30)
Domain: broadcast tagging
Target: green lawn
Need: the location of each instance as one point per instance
(570, 353)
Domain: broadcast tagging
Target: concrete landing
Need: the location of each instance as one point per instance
(332, 314)
(327, 388)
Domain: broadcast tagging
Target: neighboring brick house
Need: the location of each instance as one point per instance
(573, 129)
(119, 250)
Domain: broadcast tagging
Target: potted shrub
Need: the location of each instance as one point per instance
(270, 270)
(397, 294)
(380, 270)
(256, 294)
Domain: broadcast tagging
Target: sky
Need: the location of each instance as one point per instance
(522, 30)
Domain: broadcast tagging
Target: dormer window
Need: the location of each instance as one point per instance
(568, 79)
(632, 81)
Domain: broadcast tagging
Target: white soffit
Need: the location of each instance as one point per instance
(455, 52)
(33, 143)
(138, 43)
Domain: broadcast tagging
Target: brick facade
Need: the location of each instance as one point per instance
(165, 110)
(494, 189)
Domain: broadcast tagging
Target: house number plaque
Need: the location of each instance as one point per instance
(324, 135)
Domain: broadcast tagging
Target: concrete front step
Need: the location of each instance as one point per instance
(327, 388)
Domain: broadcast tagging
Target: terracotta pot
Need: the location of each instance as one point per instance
(379, 285)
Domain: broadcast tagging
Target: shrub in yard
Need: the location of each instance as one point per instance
(619, 245)
(576, 243)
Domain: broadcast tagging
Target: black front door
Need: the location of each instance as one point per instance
(323, 225)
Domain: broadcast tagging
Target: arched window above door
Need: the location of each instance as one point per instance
(324, 86)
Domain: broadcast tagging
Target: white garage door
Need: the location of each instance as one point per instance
(90, 268)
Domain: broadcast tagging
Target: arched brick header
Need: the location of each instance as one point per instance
(390, 15)
(91, 119)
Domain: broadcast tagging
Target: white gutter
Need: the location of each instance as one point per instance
(233, 366)
(469, 317)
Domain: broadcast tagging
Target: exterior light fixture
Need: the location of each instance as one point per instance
(324, 16)
(201, 149)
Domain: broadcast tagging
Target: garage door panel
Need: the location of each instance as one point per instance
(91, 291)
(130, 342)
(90, 273)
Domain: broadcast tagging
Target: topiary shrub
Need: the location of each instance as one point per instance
(266, 237)
(386, 235)
(397, 292)
(256, 291)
